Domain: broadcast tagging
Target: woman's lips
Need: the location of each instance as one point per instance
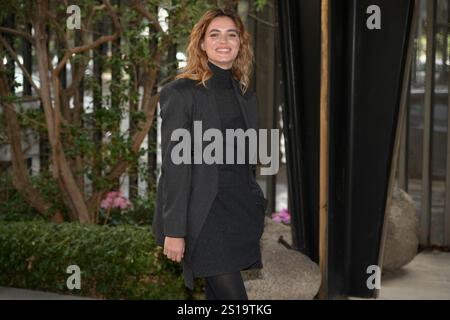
(223, 50)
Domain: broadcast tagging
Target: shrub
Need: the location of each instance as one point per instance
(14, 207)
(121, 262)
(12, 204)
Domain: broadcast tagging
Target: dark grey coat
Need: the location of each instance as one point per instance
(186, 192)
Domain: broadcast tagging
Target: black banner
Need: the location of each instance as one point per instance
(369, 41)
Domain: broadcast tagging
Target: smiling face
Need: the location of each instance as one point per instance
(221, 42)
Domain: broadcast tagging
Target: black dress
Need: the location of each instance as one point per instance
(229, 239)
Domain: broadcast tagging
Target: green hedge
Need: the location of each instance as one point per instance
(120, 262)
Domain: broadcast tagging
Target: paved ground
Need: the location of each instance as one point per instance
(21, 294)
(426, 277)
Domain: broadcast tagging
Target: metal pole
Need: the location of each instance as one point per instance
(324, 141)
(428, 126)
(403, 157)
(447, 178)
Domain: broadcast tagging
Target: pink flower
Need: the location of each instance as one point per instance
(120, 202)
(282, 216)
(106, 203)
(115, 199)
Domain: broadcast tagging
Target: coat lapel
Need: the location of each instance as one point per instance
(242, 102)
(213, 111)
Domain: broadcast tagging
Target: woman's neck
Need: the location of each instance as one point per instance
(221, 77)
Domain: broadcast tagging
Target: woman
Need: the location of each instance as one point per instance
(210, 217)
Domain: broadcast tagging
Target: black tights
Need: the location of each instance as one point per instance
(228, 286)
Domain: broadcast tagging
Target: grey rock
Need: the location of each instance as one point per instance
(287, 274)
(402, 239)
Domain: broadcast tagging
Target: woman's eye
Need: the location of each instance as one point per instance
(214, 35)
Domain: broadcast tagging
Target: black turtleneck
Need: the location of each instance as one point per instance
(221, 77)
(227, 104)
(231, 117)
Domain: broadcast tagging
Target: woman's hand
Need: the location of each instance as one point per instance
(174, 248)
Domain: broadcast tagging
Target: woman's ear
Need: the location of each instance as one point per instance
(202, 46)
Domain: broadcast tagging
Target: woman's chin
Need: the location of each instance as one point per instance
(223, 61)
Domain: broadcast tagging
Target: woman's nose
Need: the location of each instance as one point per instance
(223, 38)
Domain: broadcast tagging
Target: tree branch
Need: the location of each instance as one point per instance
(78, 75)
(137, 5)
(43, 66)
(137, 139)
(94, 44)
(9, 106)
(91, 15)
(79, 72)
(19, 33)
(16, 58)
(22, 181)
(267, 23)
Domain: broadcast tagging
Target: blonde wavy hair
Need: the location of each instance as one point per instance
(197, 61)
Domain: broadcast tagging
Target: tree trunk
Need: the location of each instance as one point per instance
(21, 178)
(72, 195)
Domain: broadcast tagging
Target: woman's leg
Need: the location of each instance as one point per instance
(228, 286)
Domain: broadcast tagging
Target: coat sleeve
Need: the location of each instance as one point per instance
(175, 178)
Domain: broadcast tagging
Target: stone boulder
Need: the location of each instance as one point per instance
(287, 274)
(402, 239)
